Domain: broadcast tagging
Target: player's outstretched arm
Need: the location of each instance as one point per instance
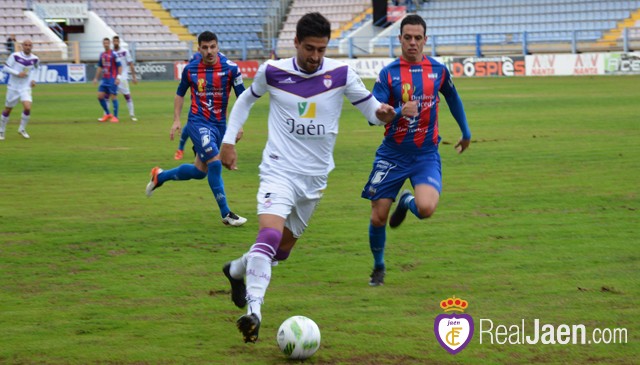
(462, 145)
(178, 102)
(228, 156)
(386, 113)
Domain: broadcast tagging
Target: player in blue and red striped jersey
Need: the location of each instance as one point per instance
(409, 149)
(110, 68)
(197, 57)
(210, 80)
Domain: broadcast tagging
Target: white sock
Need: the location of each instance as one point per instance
(130, 107)
(238, 267)
(3, 123)
(257, 280)
(23, 121)
(253, 306)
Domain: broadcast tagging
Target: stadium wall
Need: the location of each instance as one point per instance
(531, 65)
(614, 63)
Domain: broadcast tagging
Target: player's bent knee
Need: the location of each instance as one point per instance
(427, 211)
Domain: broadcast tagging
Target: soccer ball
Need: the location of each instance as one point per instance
(298, 337)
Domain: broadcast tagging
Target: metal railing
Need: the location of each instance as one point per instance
(476, 45)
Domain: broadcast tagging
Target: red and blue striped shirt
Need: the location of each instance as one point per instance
(402, 81)
(210, 88)
(109, 62)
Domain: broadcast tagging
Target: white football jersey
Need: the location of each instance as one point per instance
(125, 59)
(19, 62)
(304, 111)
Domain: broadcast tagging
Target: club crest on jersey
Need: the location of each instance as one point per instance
(327, 81)
(202, 83)
(406, 92)
(306, 109)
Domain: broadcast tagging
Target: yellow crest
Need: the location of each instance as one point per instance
(406, 92)
(201, 85)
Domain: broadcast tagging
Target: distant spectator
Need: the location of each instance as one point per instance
(11, 43)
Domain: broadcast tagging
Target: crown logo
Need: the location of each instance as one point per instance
(454, 304)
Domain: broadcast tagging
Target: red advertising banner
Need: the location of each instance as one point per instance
(247, 68)
(395, 13)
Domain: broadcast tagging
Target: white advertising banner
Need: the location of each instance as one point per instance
(622, 63)
(565, 64)
(369, 68)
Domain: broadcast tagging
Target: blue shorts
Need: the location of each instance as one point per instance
(206, 138)
(108, 87)
(392, 168)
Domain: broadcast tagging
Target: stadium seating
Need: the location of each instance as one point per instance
(338, 12)
(240, 25)
(14, 21)
(499, 21)
(134, 23)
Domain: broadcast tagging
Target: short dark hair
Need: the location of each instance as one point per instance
(106, 39)
(313, 25)
(413, 19)
(116, 37)
(207, 36)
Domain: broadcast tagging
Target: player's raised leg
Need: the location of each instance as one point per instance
(182, 172)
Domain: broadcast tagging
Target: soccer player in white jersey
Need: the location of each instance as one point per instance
(21, 80)
(306, 96)
(127, 64)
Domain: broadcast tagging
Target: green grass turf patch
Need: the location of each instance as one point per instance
(538, 219)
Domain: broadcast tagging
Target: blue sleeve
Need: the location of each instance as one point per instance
(184, 83)
(455, 104)
(239, 88)
(118, 63)
(100, 60)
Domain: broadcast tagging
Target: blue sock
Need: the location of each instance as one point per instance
(217, 186)
(115, 107)
(411, 205)
(377, 239)
(182, 172)
(183, 138)
(104, 105)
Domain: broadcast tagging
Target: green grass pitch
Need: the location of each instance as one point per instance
(538, 219)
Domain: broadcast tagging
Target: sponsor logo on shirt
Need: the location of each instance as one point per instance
(307, 109)
(287, 81)
(306, 130)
